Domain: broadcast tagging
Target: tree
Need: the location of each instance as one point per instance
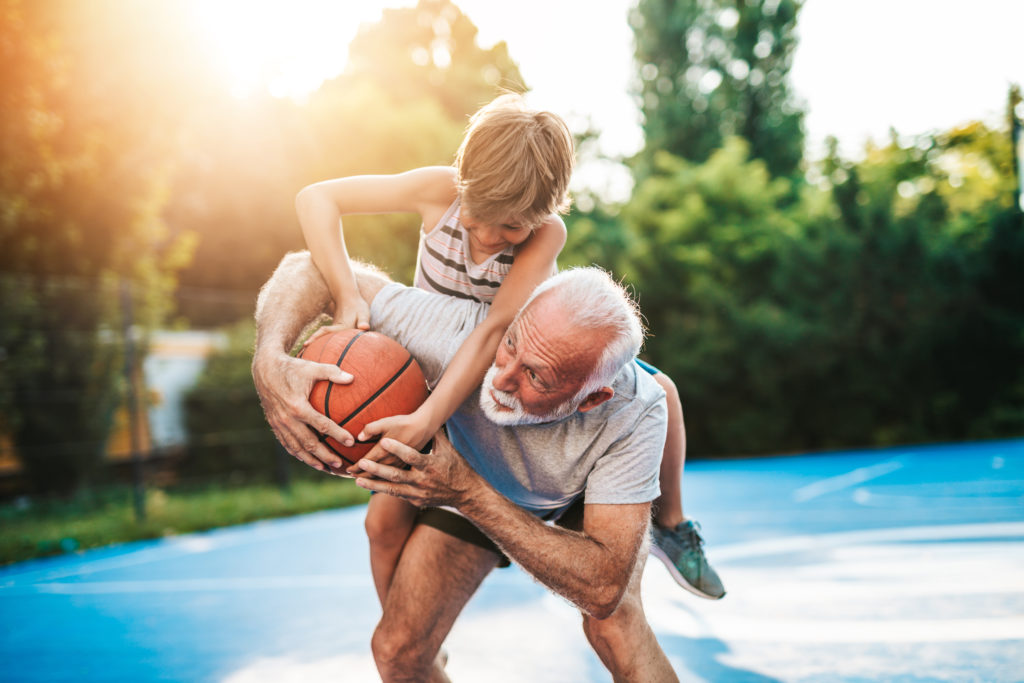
(410, 83)
(82, 184)
(710, 69)
(882, 305)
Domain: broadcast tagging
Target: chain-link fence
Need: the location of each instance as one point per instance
(90, 394)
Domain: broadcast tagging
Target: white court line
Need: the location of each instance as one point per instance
(216, 585)
(173, 547)
(792, 544)
(846, 631)
(843, 481)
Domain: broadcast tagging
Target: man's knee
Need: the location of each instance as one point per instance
(399, 654)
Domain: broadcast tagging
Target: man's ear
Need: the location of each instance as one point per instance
(596, 398)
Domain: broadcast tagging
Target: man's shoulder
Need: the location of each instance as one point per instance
(633, 384)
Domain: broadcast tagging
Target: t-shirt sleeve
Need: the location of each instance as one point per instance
(628, 470)
(430, 326)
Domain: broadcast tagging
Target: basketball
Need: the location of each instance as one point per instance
(386, 381)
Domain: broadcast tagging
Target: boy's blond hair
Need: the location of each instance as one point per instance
(515, 163)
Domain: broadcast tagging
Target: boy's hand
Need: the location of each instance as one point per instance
(353, 313)
(413, 430)
(356, 316)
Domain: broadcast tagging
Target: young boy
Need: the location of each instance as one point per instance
(491, 232)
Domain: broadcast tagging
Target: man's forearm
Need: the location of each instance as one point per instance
(293, 297)
(590, 574)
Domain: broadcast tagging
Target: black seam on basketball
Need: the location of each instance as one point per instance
(380, 391)
(323, 440)
(327, 395)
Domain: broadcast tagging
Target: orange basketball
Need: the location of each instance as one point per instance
(386, 381)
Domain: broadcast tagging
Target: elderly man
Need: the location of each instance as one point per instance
(565, 428)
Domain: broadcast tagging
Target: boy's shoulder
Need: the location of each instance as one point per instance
(435, 182)
(435, 190)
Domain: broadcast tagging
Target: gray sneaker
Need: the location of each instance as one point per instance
(680, 549)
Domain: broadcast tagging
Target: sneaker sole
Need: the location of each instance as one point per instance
(679, 578)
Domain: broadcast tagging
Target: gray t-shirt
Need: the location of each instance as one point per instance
(610, 454)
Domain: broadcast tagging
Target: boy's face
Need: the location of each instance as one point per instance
(492, 238)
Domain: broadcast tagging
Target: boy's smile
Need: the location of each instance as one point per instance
(486, 239)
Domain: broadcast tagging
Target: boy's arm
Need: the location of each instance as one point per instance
(534, 263)
(320, 207)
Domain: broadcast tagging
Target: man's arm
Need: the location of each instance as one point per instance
(590, 568)
(295, 296)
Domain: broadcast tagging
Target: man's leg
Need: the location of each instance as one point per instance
(625, 642)
(435, 577)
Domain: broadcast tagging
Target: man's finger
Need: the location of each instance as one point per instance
(328, 427)
(297, 452)
(382, 471)
(332, 373)
(406, 453)
(383, 486)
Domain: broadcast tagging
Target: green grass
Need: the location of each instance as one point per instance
(34, 529)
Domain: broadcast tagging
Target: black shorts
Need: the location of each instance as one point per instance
(461, 528)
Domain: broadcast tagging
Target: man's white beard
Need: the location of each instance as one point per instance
(515, 415)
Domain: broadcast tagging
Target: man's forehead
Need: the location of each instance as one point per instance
(549, 329)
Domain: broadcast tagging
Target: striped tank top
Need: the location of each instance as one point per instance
(444, 264)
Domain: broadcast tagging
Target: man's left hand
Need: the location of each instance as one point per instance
(440, 477)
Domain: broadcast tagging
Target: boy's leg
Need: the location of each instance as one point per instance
(668, 507)
(436, 575)
(389, 521)
(677, 540)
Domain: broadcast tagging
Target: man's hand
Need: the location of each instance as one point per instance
(413, 430)
(440, 477)
(284, 384)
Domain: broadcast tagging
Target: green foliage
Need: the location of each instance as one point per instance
(409, 86)
(882, 306)
(710, 69)
(82, 183)
(101, 517)
(228, 435)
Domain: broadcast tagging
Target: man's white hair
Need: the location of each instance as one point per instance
(591, 300)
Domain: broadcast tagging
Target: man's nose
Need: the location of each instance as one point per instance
(505, 379)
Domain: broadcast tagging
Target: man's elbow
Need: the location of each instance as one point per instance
(605, 598)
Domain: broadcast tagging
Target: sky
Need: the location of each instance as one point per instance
(860, 67)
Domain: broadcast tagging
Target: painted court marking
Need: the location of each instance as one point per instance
(844, 481)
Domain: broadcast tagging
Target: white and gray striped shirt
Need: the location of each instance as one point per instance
(444, 264)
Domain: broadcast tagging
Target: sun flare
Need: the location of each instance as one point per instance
(288, 49)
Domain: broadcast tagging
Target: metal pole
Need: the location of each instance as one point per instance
(138, 484)
(282, 469)
(1015, 143)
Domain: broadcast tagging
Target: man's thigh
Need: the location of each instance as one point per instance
(435, 578)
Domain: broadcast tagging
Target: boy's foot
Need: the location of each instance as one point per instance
(680, 549)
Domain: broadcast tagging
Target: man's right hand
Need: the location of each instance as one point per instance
(284, 384)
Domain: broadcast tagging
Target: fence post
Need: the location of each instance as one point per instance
(138, 483)
(283, 471)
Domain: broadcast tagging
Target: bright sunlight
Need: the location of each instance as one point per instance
(289, 49)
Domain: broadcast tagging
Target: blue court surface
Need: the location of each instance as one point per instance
(888, 565)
